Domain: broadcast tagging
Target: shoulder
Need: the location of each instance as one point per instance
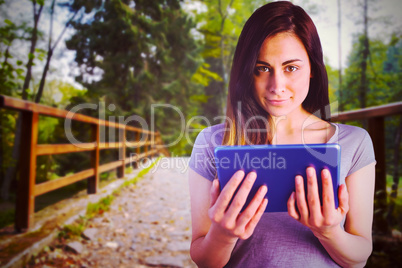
(202, 159)
(352, 135)
(351, 130)
(356, 147)
(210, 137)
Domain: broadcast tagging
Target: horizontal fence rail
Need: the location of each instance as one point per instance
(29, 150)
(376, 128)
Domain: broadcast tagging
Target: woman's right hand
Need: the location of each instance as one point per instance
(228, 223)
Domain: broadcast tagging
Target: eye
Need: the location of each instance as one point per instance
(291, 68)
(262, 69)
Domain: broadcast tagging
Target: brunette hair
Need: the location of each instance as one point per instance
(267, 21)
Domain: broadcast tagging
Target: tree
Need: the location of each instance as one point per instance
(11, 74)
(37, 7)
(340, 56)
(50, 49)
(135, 54)
(383, 86)
(220, 25)
(392, 68)
(363, 63)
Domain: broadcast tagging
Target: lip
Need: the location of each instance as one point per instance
(277, 102)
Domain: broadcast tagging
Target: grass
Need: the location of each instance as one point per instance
(103, 205)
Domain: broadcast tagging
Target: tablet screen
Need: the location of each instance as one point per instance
(277, 166)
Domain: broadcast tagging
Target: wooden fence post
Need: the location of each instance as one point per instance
(122, 152)
(137, 150)
(377, 132)
(93, 182)
(25, 204)
(146, 145)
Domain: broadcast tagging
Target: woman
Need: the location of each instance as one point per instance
(278, 94)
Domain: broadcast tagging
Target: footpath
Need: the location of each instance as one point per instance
(148, 225)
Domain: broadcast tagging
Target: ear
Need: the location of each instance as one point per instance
(311, 75)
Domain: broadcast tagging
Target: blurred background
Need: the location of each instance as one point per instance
(125, 56)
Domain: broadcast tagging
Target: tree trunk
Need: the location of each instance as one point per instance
(43, 78)
(365, 54)
(340, 106)
(2, 167)
(224, 68)
(31, 57)
(50, 51)
(12, 170)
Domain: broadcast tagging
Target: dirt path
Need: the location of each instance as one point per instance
(148, 224)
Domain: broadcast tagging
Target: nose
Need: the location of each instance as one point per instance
(277, 83)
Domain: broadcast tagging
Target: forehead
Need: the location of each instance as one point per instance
(284, 45)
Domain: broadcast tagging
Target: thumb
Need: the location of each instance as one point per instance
(214, 191)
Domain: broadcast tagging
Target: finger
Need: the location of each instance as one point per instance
(252, 208)
(313, 198)
(328, 202)
(214, 192)
(241, 196)
(301, 199)
(343, 200)
(255, 219)
(292, 207)
(228, 191)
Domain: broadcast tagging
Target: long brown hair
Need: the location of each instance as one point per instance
(243, 112)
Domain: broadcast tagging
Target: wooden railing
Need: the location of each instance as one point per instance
(376, 128)
(29, 150)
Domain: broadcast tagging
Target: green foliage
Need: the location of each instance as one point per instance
(46, 128)
(6, 217)
(203, 75)
(100, 207)
(220, 25)
(384, 77)
(333, 84)
(384, 82)
(51, 130)
(71, 230)
(11, 74)
(146, 55)
(58, 93)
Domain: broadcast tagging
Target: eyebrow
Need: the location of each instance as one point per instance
(283, 64)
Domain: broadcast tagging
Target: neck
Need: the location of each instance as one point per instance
(289, 128)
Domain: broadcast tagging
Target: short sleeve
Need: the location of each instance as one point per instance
(202, 159)
(364, 154)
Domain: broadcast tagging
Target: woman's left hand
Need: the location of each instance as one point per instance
(322, 219)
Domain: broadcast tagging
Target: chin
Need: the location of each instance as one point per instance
(277, 112)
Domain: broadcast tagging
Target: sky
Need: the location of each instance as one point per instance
(352, 23)
(325, 20)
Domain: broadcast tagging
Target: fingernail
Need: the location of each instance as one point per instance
(241, 172)
(264, 189)
(299, 179)
(310, 171)
(252, 175)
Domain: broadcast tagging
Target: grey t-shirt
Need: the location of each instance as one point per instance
(279, 240)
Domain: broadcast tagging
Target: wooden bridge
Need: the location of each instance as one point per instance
(146, 144)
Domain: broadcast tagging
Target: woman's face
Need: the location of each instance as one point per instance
(282, 75)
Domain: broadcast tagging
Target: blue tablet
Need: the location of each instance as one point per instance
(277, 166)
